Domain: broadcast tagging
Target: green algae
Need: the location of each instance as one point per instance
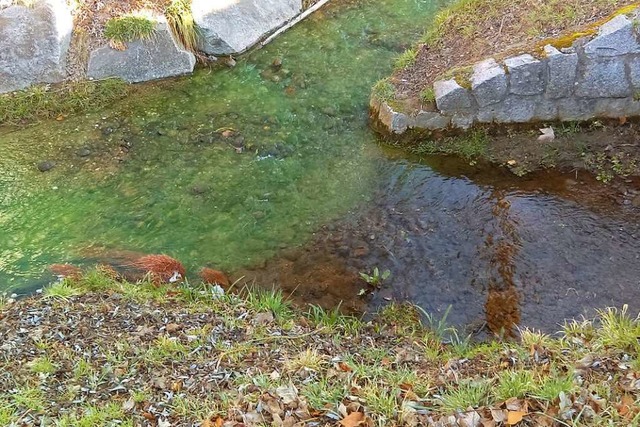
(157, 173)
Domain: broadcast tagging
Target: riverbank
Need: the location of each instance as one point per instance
(94, 351)
(524, 129)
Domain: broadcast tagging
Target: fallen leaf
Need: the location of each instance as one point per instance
(623, 120)
(512, 162)
(163, 423)
(128, 405)
(344, 367)
(548, 135)
(515, 417)
(352, 420)
(499, 415)
(288, 394)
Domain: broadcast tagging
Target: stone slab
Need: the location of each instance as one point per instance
(488, 82)
(431, 120)
(562, 71)
(34, 44)
(451, 97)
(615, 37)
(233, 26)
(603, 78)
(526, 75)
(143, 60)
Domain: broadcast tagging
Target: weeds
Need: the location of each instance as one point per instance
(514, 384)
(467, 394)
(180, 20)
(383, 90)
(63, 289)
(128, 28)
(406, 59)
(55, 102)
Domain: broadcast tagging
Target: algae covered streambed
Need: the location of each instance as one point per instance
(270, 171)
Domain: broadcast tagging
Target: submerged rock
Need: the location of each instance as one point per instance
(46, 165)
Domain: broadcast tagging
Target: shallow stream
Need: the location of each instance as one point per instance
(270, 172)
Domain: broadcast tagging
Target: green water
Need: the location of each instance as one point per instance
(182, 188)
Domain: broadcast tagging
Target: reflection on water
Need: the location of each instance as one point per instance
(500, 251)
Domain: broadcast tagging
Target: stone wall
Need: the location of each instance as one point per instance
(33, 44)
(596, 77)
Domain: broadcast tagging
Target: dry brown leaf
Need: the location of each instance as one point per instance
(352, 420)
(344, 367)
(515, 417)
(499, 415)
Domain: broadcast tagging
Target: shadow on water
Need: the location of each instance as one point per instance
(269, 171)
(500, 250)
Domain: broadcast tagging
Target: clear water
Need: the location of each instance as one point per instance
(182, 188)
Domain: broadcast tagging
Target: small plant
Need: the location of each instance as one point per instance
(180, 20)
(269, 300)
(61, 290)
(551, 387)
(428, 95)
(618, 330)
(406, 59)
(375, 278)
(384, 90)
(468, 393)
(42, 365)
(128, 28)
(514, 384)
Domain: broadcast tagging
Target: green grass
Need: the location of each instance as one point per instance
(93, 416)
(514, 384)
(384, 90)
(401, 358)
(618, 330)
(333, 320)
(8, 414)
(64, 290)
(42, 365)
(43, 102)
(550, 387)
(29, 398)
(406, 59)
(471, 146)
(261, 301)
(428, 95)
(128, 28)
(466, 394)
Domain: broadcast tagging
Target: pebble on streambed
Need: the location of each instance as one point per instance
(46, 165)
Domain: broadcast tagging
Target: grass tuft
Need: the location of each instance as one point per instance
(184, 28)
(514, 384)
(467, 394)
(63, 290)
(128, 28)
(619, 330)
(384, 90)
(43, 102)
(406, 59)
